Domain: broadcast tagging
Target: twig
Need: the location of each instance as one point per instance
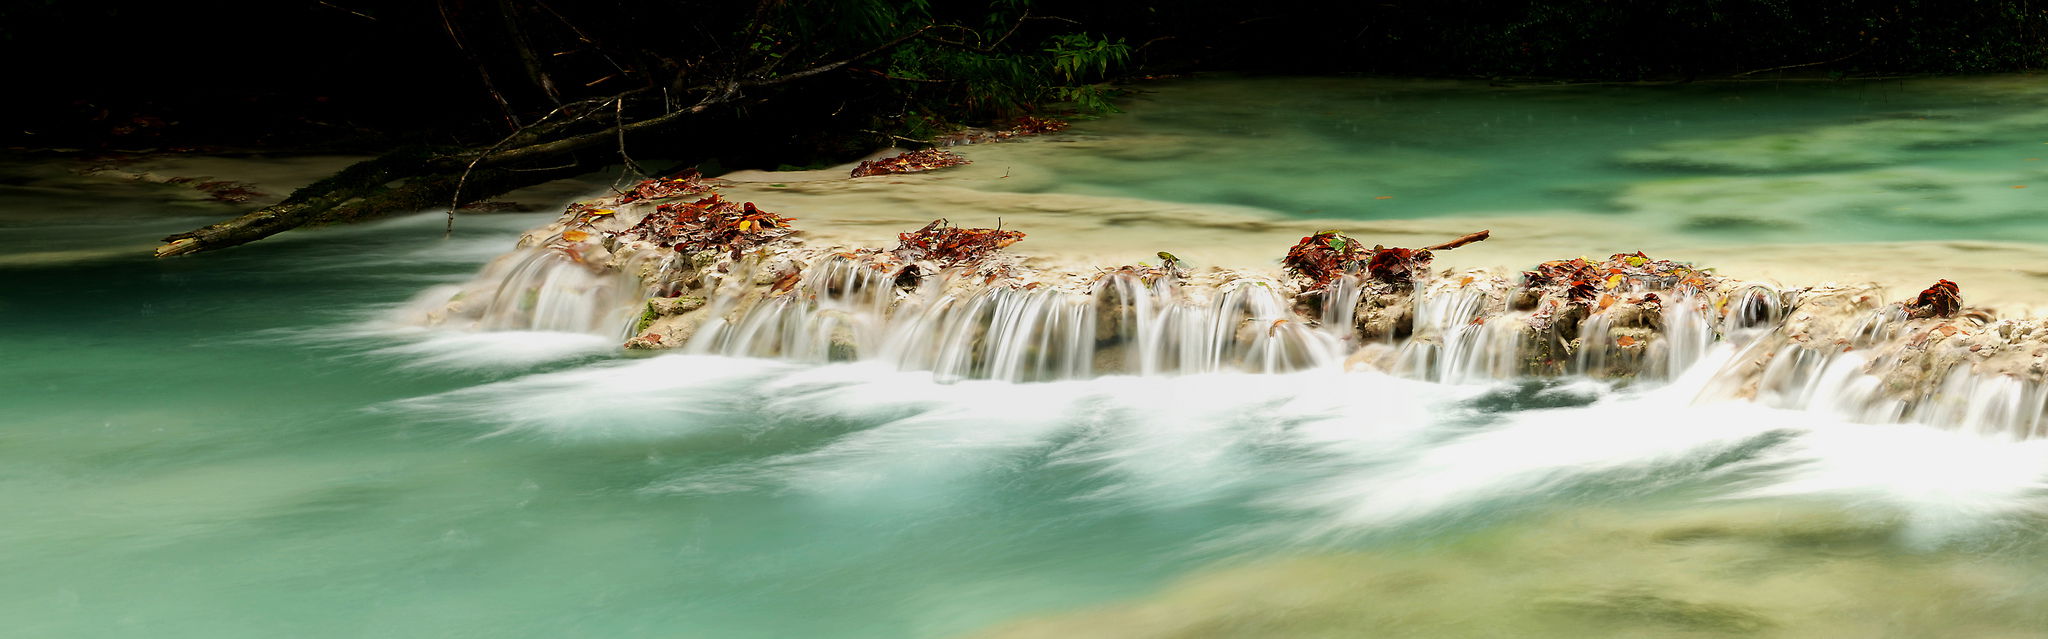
(455, 202)
(1468, 239)
(715, 95)
(619, 119)
(482, 72)
(1795, 66)
(358, 14)
(580, 35)
(829, 66)
(897, 137)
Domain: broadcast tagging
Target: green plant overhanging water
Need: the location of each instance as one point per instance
(1001, 67)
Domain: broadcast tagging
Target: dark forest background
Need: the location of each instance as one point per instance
(371, 72)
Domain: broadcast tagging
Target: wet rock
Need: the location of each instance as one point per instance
(842, 346)
(1637, 606)
(1385, 316)
(666, 306)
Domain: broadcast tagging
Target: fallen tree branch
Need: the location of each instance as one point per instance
(359, 193)
(455, 200)
(434, 174)
(1467, 239)
(1797, 66)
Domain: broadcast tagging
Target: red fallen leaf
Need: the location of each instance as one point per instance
(1946, 330)
(1582, 292)
(787, 281)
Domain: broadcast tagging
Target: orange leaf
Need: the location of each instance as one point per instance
(1946, 330)
(575, 236)
(1625, 341)
(1384, 197)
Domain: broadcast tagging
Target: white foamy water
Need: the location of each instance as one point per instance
(1332, 455)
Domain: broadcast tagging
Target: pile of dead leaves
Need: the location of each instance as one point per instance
(950, 245)
(1323, 257)
(912, 162)
(1328, 255)
(689, 182)
(1942, 299)
(1029, 125)
(1025, 126)
(712, 224)
(1586, 282)
(1397, 265)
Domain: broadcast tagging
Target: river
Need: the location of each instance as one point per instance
(246, 444)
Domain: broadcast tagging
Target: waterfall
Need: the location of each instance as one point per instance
(1827, 348)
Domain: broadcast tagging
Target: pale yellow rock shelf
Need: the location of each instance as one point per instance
(1067, 231)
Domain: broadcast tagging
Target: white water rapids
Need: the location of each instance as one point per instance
(1123, 325)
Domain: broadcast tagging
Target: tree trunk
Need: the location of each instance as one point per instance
(359, 193)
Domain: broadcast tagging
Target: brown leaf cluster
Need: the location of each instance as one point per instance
(712, 224)
(1942, 299)
(1025, 126)
(1584, 282)
(1029, 125)
(911, 162)
(1397, 265)
(950, 245)
(1322, 258)
(689, 182)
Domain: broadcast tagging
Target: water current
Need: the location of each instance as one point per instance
(249, 444)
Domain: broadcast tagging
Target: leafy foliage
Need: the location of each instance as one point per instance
(1077, 57)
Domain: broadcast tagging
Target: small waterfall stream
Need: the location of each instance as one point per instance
(1126, 322)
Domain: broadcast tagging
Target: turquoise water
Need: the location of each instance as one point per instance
(238, 445)
(1721, 162)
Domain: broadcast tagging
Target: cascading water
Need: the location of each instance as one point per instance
(1867, 364)
(1832, 349)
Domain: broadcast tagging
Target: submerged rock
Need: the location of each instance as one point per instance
(1740, 571)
